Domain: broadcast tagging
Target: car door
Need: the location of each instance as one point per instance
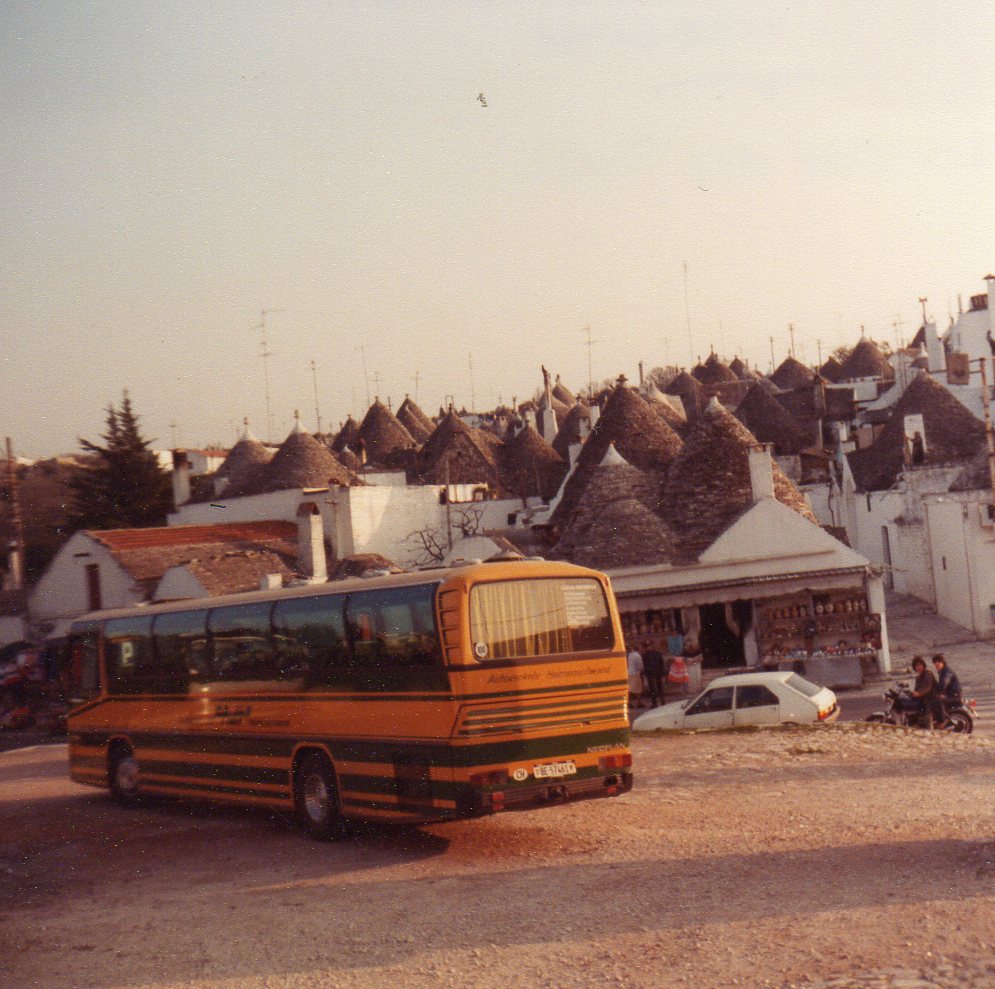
(712, 709)
(756, 704)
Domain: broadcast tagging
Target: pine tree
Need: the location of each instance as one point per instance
(124, 488)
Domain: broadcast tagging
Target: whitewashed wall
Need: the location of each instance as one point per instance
(62, 590)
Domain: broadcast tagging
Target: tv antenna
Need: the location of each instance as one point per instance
(266, 354)
(366, 374)
(314, 379)
(590, 374)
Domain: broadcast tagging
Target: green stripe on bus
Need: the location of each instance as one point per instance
(468, 753)
(217, 771)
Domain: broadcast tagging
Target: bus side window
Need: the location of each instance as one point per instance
(309, 637)
(128, 655)
(181, 648)
(393, 627)
(243, 645)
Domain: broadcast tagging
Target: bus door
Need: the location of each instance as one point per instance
(83, 673)
(395, 649)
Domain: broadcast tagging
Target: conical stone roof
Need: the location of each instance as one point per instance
(770, 422)
(639, 435)
(564, 394)
(689, 390)
(244, 462)
(832, 370)
(708, 485)
(953, 435)
(714, 371)
(792, 374)
(457, 454)
(382, 436)
(346, 436)
(414, 420)
(530, 466)
(612, 524)
(740, 369)
(867, 361)
(569, 433)
(303, 462)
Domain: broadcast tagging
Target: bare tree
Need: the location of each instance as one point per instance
(431, 544)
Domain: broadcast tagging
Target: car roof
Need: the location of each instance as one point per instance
(742, 679)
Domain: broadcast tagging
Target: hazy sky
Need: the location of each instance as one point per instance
(172, 169)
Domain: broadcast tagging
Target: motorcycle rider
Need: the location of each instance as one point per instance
(947, 690)
(920, 699)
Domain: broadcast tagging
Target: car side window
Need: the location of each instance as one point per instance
(719, 699)
(755, 695)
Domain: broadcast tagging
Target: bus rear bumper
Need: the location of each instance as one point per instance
(546, 794)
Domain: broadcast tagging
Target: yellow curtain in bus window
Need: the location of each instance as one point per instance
(530, 618)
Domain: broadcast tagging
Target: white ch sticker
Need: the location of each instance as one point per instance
(520, 775)
(480, 649)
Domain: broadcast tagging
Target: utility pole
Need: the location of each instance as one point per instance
(266, 354)
(791, 333)
(590, 373)
(922, 302)
(16, 566)
(366, 375)
(417, 379)
(818, 346)
(473, 400)
(772, 354)
(314, 379)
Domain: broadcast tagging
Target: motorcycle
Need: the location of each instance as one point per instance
(961, 714)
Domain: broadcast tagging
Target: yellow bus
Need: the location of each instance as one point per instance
(412, 697)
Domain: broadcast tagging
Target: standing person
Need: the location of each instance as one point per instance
(634, 663)
(947, 689)
(653, 671)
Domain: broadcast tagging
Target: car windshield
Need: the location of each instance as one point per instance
(802, 685)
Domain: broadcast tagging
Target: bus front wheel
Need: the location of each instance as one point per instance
(316, 797)
(123, 769)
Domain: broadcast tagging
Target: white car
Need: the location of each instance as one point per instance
(746, 699)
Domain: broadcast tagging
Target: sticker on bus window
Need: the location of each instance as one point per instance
(480, 649)
(127, 654)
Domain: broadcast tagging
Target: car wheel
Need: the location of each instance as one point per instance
(123, 770)
(316, 798)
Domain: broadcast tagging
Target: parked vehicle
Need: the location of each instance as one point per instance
(768, 698)
(960, 716)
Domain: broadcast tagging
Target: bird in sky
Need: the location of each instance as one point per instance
(482, 99)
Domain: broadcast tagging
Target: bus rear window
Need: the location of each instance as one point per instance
(517, 619)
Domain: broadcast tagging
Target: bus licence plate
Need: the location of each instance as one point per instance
(552, 770)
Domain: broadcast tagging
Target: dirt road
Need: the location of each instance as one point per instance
(776, 858)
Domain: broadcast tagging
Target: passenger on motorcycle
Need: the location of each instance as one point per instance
(947, 690)
(920, 699)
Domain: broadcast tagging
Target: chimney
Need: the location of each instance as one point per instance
(14, 578)
(311, 543)
(270, 581)
(181, 478)
(761, 472)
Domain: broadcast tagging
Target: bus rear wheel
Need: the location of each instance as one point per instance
(316, 798)
(123, 770)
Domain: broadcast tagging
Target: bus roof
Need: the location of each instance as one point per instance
(497, 569)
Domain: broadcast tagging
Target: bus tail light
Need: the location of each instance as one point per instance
(496, 777)
(623, 761)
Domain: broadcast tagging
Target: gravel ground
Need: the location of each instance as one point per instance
(841, 856)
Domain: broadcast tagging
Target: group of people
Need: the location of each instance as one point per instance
(931, 693)
(650, 669)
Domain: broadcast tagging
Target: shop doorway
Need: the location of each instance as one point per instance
(720, 645)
